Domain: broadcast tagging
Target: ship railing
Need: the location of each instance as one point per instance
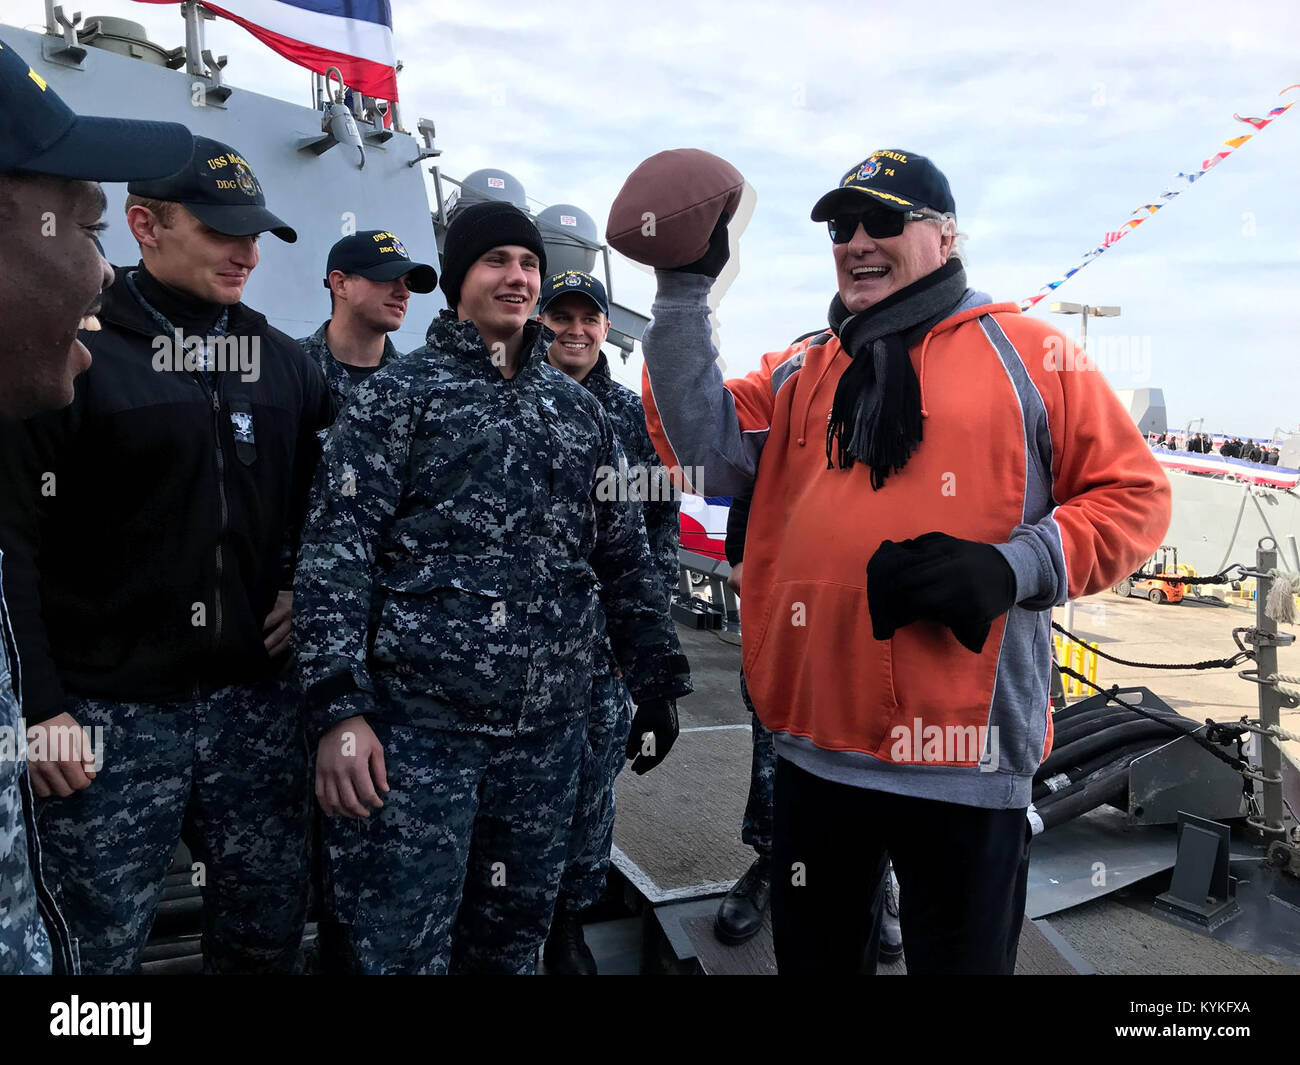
(1275, 601)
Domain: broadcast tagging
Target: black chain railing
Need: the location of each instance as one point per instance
(1209, 663)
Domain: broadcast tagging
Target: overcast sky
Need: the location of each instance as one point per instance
(1052, 125)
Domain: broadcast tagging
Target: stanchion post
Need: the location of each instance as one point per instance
(1270, 699)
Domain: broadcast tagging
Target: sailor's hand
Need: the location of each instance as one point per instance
(653, 733)
(60, 757)
(350, 770)
(936, 577)
(733, 579)
(279, 624)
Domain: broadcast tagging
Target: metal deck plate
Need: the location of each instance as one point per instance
(677, 829)
(1095, 855)
(1090, 857)
(1042, 952)
(1121, 936)
(1267, 923)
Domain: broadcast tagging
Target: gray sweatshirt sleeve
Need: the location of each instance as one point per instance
(696, 410)
(1035, 556)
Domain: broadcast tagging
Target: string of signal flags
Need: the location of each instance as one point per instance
(1148, 209)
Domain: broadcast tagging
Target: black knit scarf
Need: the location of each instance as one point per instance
(876, 413)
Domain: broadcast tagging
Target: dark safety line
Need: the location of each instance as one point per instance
(1229, 575)
(1209, 663)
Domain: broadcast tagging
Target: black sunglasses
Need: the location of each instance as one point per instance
(878, 222)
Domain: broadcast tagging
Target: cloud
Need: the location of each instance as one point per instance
(1051, 126)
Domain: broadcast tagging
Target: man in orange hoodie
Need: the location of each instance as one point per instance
(901, 564)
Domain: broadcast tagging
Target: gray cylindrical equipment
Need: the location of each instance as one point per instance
(488, 184)
(570, 236)
(123, 37)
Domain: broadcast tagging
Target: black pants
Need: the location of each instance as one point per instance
(961, 874)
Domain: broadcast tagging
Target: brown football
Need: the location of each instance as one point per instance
(667, 208)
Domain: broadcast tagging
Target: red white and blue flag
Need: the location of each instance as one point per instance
(354, 35)
(704, 524)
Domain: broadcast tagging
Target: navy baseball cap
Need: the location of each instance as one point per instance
(378, 255)
(568, 281)
(898, 180)
(40, 134)
(218, 187)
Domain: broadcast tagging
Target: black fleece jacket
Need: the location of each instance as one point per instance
(148, 527)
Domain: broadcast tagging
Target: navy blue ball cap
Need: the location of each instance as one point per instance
(378, 255)
(218, 187)
(40, 134)
(898, 180)
(571, 281)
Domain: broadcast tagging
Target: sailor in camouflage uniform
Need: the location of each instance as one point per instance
(574, 306)
(370, 280)
(447, 620)
(50, 162)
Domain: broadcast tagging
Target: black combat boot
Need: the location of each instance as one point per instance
(891, 934)
(741, 914)
(566, 952)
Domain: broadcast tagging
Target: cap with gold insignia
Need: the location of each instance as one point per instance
(219, 188)
(378, 255)
(898, 180)
(40, 134)
(571, 281)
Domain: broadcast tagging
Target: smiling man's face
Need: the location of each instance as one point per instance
(580, 328)
(53, 275)
(379, 305)
(871, 268)
(193, 257)
(500, 291)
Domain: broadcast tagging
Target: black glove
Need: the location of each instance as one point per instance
(937, 577)
(654, 728)
(719, 251)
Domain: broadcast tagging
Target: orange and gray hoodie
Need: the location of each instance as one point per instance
(1017, 451)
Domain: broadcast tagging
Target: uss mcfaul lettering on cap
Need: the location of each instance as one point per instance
(221, 190)
(378, 255)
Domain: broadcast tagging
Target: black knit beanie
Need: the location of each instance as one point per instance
(479, 228)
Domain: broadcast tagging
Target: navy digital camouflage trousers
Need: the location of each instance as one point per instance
(592, 833)
(24, 943)
(229, 774)
(458, 872)
(756, 831)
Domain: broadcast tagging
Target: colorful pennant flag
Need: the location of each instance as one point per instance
(1149, 209)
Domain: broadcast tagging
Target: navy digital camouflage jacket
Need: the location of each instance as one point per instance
(456, 549)
(662, 507)
(336, 374)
